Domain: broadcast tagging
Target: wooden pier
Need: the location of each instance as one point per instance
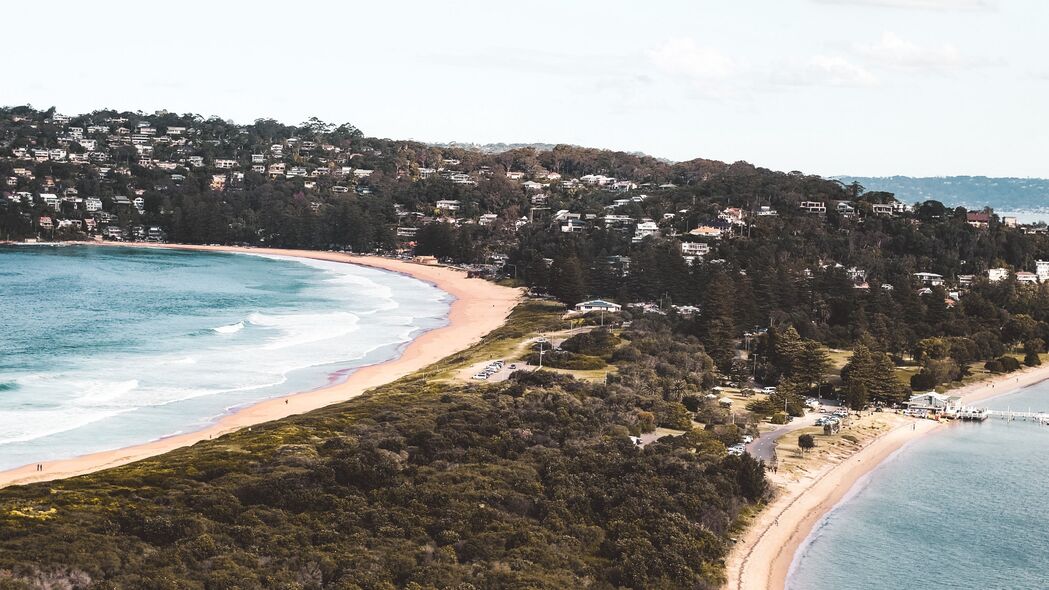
(1029, 416)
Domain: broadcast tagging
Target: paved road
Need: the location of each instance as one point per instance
(764, 447)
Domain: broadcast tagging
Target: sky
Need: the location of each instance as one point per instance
(830, 87)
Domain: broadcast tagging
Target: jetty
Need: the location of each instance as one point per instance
(1028, 416)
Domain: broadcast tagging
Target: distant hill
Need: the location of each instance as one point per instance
(972, 192)
(498, 148)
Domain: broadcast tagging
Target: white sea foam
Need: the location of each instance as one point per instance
(176, 383)
(230, 329)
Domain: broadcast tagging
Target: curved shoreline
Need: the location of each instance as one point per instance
(766, 554)
(478, 307)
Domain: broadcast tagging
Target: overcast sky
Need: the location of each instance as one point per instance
(862, 87)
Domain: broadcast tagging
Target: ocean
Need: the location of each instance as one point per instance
(962, 508)
(102, 348)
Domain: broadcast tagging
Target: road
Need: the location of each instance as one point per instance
(764, 447)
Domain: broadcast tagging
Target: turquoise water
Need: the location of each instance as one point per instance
(102, 348)
(963, 508)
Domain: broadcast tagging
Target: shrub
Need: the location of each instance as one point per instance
(568, 360)
(595, 343)
(1032, 359)
(779, 418)
(1009, 364)
(923, 380)
(994, 366)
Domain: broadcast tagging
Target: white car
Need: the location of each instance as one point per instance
(748, 439)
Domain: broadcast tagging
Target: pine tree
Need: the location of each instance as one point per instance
(567, 282)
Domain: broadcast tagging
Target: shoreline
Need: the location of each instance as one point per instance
(477, 308)
(770, 547)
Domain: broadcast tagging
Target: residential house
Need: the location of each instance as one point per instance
(643, 230)
(448, 205)
(766, 211)
(1026, 277)
(532, 185)
(813, 207)
(882, 209)
(929, 279)
(706, 231)
(598, 305)
(46, 223)
(1041, 268)
(225, 164)
(695, 248)
(979, 220)
(362, 173)
(487, 219)
(51, 200)
(997, 274)
(573, 225)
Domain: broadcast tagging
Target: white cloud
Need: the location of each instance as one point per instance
(892, 50)
(921, 4)
(687, 58)
(825, 70)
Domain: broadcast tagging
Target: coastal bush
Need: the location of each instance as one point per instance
(594, 343)
(1009, 364)
(1031, 359)
(779, 418)
(994, 366)
(567, 360)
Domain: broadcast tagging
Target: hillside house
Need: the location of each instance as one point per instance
(818, 207)
(929, 279)
(979, 220)
(997, 274)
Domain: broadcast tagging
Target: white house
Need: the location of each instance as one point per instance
(1041, 268)
(813, 206)
(448, 205)
(929, 279)
(644, 230)
(997, 274)
(695, 248)
(1026, 277)
(598, 305)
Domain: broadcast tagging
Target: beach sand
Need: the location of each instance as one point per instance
(762, 558)
(479, 307)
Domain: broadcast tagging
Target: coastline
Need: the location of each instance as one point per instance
(478, 307)
(765, 554)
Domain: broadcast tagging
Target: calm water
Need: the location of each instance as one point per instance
(965, 508)
(102, 348)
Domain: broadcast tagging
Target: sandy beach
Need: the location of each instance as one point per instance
(479, 307)
(762, 558)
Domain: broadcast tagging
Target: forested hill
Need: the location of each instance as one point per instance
(973, 192)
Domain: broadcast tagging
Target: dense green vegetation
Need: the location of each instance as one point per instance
(532, 483)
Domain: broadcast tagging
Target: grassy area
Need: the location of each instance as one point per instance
(792, 462)
(527, 319)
